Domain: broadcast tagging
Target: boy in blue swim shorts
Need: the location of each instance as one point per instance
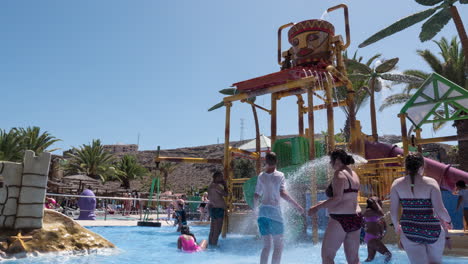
(270, 188)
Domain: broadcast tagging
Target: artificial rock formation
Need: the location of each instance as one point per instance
(59, 233)
(22, 191)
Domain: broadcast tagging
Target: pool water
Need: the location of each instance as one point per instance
(159, 245)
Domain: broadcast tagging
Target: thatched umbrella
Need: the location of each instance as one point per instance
(80, 178)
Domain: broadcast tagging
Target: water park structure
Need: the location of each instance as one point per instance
(314, 66)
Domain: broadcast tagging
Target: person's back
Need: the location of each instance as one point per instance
(420, 226)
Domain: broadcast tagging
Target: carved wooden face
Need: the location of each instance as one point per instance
(311, 42)
(307, 43)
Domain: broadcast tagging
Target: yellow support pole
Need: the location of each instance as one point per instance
(330, 117)
(273, 119)
(227, 167)
(418, 139)
(300, 114)
(404, 133)
(313, 180)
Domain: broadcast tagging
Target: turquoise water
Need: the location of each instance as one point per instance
(158, 245)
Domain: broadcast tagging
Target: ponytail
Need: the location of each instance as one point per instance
(413, 162)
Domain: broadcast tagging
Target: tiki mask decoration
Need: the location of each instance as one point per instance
(311, 42)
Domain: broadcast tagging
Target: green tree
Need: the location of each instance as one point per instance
(14, 143)
(450, 65)
(243, 168)
(128, 169)
(437, 16)
(363, 76)
(166, 168)
(10, 145)
(91, 160)
(373, 78)
(33, 139)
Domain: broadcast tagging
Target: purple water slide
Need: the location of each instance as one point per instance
(445, 174)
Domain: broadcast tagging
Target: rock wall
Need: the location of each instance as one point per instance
(23, 192)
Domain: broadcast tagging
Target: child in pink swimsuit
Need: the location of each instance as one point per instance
(375, 228)
(188, 243)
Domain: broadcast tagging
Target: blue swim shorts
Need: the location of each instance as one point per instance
(268, 226)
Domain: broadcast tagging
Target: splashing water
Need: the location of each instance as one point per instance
(325, 15)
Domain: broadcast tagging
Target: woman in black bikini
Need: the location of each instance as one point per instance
(344, 225)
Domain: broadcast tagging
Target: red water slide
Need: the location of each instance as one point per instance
(445, 174)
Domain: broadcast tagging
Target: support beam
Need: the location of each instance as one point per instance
(324, 106)
(313, 180)
(404, 133)
(273, 89)
(273, 119)
(300, 114)
(227, 167)
(330, 116)
(441, 139)
(188, 160)
(418, 139)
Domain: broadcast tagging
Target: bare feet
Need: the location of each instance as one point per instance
(388, 257)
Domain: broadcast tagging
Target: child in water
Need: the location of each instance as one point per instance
(375, 228)
(188, 243)
(180, 215)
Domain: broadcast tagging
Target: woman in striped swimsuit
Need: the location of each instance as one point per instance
(424, 218)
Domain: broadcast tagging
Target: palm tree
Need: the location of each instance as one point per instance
(166, 168)
(251, 101)
(128, 169)
(10, 145)
(91, 160)
(446, 11)
(451, 67)
(373, 80)
(33, 139)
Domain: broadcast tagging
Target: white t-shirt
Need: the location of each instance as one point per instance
(464, 194)
(269, 186)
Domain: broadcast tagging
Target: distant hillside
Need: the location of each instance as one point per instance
(198, 176)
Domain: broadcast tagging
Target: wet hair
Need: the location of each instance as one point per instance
(344, 157)
(217, 174)
(413, 162)
(373, 199)
(185, 230)
(270, 158)
(461, 184)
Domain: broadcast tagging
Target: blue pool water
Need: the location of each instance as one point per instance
(158, 245)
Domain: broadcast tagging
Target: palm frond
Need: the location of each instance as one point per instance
(394, 100)
(401, 78)
(216, 106)
(435, 24)
(399, 26)
(428, 2)
(387, 65)
(354, 66)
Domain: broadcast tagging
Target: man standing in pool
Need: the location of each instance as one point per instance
(270, 188)
(216, 205)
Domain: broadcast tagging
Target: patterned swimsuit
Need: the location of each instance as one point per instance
(418, 222)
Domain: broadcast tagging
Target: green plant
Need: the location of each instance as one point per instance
(91, 160)
(128, 169)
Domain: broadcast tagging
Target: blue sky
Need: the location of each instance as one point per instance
(114, 69)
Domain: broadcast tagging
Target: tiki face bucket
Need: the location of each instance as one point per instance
(311, 42)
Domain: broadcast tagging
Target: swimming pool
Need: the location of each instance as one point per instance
(158, 245)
